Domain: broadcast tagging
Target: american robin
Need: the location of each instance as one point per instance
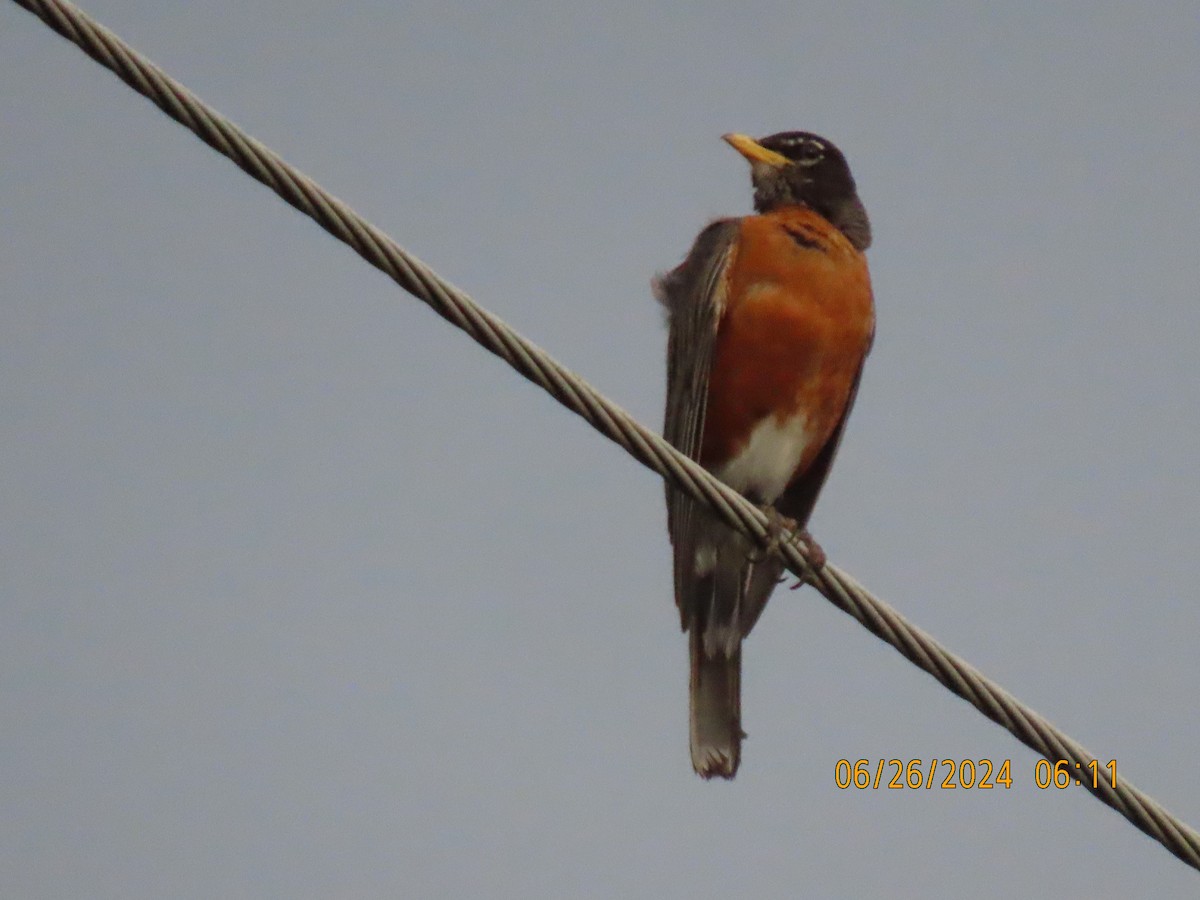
(770, 319)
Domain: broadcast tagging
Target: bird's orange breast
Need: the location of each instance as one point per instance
(797, 323)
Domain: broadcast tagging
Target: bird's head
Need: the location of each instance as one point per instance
(796, 168)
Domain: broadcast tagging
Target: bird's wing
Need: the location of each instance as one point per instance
(694, 296)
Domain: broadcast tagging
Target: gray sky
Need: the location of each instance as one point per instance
(302, 594)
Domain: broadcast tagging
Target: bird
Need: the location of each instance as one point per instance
(770, 318)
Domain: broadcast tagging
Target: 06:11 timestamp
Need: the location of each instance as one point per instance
(1063, 773)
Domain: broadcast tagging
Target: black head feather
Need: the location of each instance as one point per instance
(817, 176)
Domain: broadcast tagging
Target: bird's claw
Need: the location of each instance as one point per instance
(812, 551)
(779, 525)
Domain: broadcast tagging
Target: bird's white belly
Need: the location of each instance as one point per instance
(765, 465)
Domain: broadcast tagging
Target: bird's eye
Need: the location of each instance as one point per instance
(810, 153)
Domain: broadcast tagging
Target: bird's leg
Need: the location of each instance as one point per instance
(777, 526)
(813, 551)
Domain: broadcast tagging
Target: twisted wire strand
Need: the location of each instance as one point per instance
(837, 586)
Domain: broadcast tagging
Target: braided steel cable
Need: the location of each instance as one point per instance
(837, 586)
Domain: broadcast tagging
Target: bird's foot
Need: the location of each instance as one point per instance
(778, 525)
(812, 551)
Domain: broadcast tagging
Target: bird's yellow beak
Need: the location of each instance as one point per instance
(754, 151)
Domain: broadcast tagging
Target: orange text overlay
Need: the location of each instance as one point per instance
(967, 774)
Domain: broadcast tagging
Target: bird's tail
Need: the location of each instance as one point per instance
(716, 707)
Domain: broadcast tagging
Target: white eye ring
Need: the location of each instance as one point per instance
(808, 151)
